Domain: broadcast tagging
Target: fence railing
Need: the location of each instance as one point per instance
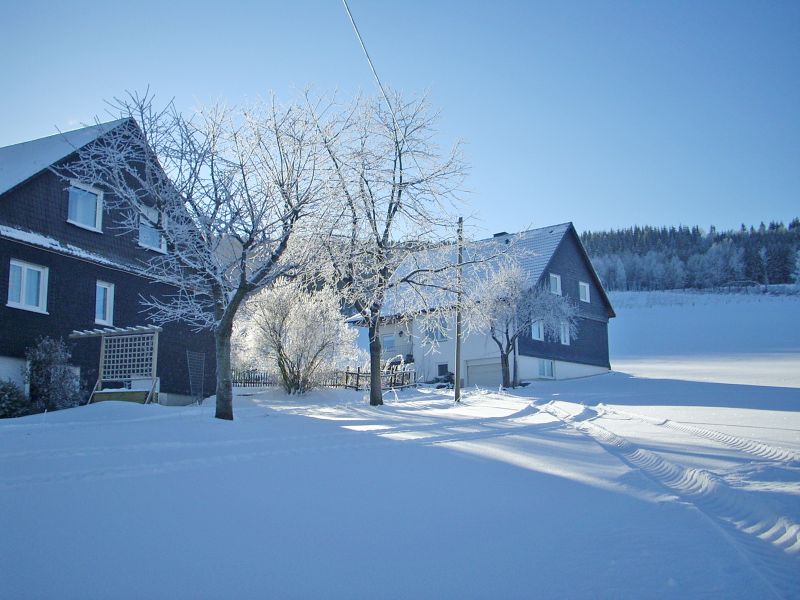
(252, 378)
(354, 379)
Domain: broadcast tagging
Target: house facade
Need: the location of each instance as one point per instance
(66, 264)
(551, 256)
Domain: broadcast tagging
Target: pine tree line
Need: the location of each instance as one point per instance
(657, 258)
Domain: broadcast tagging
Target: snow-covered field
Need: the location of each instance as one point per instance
(727, 338)
(616, 486)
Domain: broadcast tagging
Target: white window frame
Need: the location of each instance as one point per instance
(144, 220)
(439, 368)
(555, 279)
(543, 364)
(98, 216)
(41, 306)
(584, 287)
(537, 330)
(109, 287)
(564, 333)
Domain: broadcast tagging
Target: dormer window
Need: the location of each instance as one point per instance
(149, 235)
(85, 207)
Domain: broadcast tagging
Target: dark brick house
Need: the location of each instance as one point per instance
(66, 265)
(551, 256)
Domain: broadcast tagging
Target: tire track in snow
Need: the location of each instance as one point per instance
(760, 449)
(772, 541)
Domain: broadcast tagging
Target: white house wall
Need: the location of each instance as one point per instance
(480, 348)
(529, 369)
(427, 361)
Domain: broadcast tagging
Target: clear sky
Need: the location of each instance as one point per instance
(607, 114)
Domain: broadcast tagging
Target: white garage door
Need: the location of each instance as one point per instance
(484, 375)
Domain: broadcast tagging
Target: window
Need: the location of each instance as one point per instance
(388, 342)
(555, 284)
(537, 330)
(149, 236)
(583, 289)
(104, 303)
(437, 331)
(442, 370)
(85, 207)
(545, 368)
(27, 286)
(564, 333)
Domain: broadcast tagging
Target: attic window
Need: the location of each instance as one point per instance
(555, 284)
(85, 207)
(149, 235)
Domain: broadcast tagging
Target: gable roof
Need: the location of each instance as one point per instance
(533, 248)
(20, 162)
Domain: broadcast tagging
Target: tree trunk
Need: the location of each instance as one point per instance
(505, 369)
(222, 341)
(375, 391)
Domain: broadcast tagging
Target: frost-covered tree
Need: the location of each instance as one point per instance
(298, 332)
(506, 306)
(394, 186)
(54, 383)
(796, 273)
(227, 189)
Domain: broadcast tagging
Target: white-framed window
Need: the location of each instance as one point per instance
(442, 369)
(546, 368)
(149, 236)
(104, 303)
(537, 330)
(583, 291)
(27, 286)
(555, 284)
(388, 342)
(564, 333)
(85, 207)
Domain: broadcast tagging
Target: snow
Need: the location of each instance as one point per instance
(43, 241)
(615, 486)
(733, 338)
(22, 161)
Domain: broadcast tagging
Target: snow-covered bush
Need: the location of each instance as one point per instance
(54, 383)
(296, 333)
(13, 402)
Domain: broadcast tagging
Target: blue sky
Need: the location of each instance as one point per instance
(608, 114)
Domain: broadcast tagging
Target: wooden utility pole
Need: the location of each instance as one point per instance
(459, 275)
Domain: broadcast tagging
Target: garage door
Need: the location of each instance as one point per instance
(484, 375)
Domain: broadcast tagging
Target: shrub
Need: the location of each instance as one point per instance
(13, 402)
(54, 383)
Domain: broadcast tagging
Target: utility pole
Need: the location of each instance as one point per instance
(459, 292)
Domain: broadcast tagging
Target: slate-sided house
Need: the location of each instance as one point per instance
(552, 256)
(66, 265)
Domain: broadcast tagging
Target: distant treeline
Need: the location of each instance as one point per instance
(658, 258)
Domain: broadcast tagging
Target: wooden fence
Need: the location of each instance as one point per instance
(355, 379)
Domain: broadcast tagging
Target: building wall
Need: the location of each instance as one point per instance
(40, 205)
(71, 305)
(529, 369)
(590, 346)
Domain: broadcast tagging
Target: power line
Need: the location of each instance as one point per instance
(369, 60)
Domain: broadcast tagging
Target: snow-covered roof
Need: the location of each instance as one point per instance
(533, 250)
(20, 162)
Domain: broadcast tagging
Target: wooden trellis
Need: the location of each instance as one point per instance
(128, 355)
